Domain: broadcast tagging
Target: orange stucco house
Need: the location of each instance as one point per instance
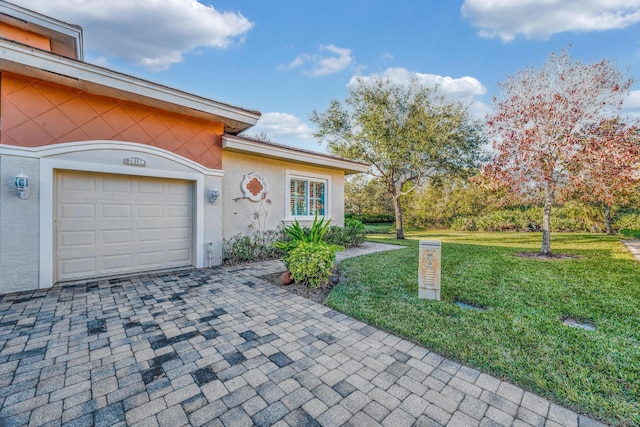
(125, 175)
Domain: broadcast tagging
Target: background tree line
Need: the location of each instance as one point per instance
(562, 157)
(459, 205)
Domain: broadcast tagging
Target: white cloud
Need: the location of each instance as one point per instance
(329, 59)
(153, 33)
(633, 100)
(458, 88)
(631, 106)
(282, 125)
(386, 55)
(464, 89)
(536, 19)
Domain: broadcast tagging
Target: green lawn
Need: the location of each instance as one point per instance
(385, 228)
(380, 228)
(520, 336)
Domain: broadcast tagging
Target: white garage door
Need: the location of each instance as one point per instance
(107, 224)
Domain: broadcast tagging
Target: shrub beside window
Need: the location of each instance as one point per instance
(298, 234)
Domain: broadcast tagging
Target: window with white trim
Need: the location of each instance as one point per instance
(307, 196)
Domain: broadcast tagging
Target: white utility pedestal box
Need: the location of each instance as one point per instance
(429, 270)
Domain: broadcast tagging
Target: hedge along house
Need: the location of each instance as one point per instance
(103, 173)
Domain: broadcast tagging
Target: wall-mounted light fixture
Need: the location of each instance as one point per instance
(213, 195)
(23, 185)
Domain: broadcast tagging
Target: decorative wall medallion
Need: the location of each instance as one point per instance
(254, 186)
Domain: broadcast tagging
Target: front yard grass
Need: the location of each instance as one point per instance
(520, 337)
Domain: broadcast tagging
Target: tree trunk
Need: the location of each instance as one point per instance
(546, 225)
(607, 220)
(398, 211)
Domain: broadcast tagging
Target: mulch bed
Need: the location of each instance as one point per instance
(318, 294)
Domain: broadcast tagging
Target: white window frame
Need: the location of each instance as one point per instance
(307, 176)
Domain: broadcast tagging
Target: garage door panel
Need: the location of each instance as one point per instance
(145, 187)
(151, 235)
(151, 211)
(77, 211)
(179, 211)
(77, 267)
(120, 186)
(174, 189)
(117, 237)
(110, 210)
(179, 233)
(118, 262)
(152, 259)
(125, 224)
(75, 239)
(178, 255)
(88, 185)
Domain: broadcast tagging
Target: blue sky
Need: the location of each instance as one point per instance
(287, 58)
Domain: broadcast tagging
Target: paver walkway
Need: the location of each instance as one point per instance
(633, 245)
(221, 347)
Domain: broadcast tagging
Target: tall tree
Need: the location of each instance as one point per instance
(542, 119)
(406, 132)
(607, 168)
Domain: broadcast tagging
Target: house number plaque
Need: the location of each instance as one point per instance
(134, 161)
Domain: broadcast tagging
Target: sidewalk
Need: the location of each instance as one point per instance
(633, 246)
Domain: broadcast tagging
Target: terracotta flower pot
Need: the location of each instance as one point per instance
(286, 278)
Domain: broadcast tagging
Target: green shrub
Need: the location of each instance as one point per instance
(351, 235)
(370, 218)
(258, 246)
(571, 217)
(353, 223)
(310, 263)
(563, 223)
(298, 234)
(460, 223)
(577, 216)
(629, 221)
(506, 220)
(628, 232)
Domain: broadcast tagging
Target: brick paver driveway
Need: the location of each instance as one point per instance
(222, 347)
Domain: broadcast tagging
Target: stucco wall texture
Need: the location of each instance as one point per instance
(19, 232)
(37, 113)
(238, 214)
